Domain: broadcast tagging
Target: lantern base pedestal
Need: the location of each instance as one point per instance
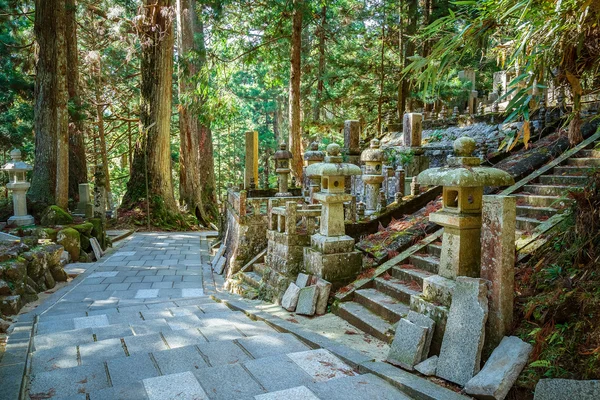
(21, 221)
(333, 258)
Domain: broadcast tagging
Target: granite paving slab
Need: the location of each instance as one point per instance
(182, 359)
(68, 381)
(277, 373)
(145, 343)
(296, 393)
(321, 365)
(357, 388)
(54, 358)
(127, 370)
(183, 337)
(175, 386)
(239, 383)
(223, 353)
(270, 345)
(133, 390)
(97, 352)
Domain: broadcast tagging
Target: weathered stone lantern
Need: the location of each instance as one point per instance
(282, 168)
(373, 177)
(331, 255)
(313, 156)
(463, 181)
(17, 182)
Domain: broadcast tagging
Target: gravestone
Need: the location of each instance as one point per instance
(251, 160)
(324, 290)
(96, 248)
(220, 265)
(290, 297)
(307, 300)
(412, 129)
(302, 280)
(407, 348)
(427, 323)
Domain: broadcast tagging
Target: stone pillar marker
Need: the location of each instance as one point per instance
(100, 194)
(17, 183)
(463, 181)
(352, 140)
(412, 129)
(313, 156)
(282, 168)
(85, 205)
(251, 163)
(373, 177)
(331, 255)
(498, 264)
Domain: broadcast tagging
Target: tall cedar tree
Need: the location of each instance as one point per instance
(295, 139)
(152, 154)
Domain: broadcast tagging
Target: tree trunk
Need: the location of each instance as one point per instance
(50, 108)
(295, 145)
(197, 177)
(152, 154)
(409, 50)
(100, 123)
(321, 70)
(382, 76)
(77, 160)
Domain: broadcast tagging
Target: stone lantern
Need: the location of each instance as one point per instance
(17, 182)
(313, 156)
(373, 177)
(463, 181)
(331, 255)
(282, 168)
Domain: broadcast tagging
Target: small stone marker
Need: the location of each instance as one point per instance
(302, 280)
(217, 256)
(324, 290)
(425, 322)
(428, 366)
(307, 300)
(96, 248)
(460, 355)
(290, 297)
(567, 389)
(501, 370)
(407, 348)
(219, 266)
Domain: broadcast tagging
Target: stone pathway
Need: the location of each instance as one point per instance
(138, 325)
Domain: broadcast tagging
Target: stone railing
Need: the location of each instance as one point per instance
(285, 218)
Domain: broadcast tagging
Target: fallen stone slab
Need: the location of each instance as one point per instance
(567, 389)
(219, 266)
(407, 348)
(428, 366)
(307, 300)
(460, 355)
(290, 297)
(425, 322)
(501, 370)
(302, 280)
(324, 290)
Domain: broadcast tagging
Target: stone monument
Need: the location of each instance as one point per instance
(251, 163)
(331, 254)
(372, 177)
(463, 181)
(85, 207)
(413, 131)
(312, 156)
(17, 183)
(282, 168)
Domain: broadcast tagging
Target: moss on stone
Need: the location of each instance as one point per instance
(54, 215)
(46, 233)
(98, 231)
(85, 228)
(69, 238)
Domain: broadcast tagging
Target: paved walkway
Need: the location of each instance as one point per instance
(138, 325)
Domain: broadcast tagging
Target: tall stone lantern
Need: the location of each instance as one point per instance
(463, 181)
(373, 177)
(313, 156)
(17, 182)
(282, 168)
(331, 254)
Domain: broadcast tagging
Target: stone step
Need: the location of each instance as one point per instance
(584, 162)
(527, 224)
(542, 201)
(535, 212)
(435, 249)
(438, 290)
(357, 387)
(243, 290)
(368, 322)
(260, 268)
(410, 274)
(425, 262)
(547, 190)
(567, 180)
(395, 288)
(588, 153)
(251, 278)
(381, 304)
(572, 170)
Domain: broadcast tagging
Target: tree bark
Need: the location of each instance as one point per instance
(50, 174)
(77, 160)
(409, 50)
(197, 177)
(100, 121)
(152, 155)
(321, 70)
(295, 139)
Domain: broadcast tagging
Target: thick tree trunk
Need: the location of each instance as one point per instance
(77, 160)
(100, 123)
(321, 70)
(408, 47)
(50, 110)
(295, 139)
(152, 155)
(196, 178)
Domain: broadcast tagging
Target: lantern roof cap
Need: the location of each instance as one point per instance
(314, 154)
(333, 165)
(16, 164)
(283, 153)
(373, 153)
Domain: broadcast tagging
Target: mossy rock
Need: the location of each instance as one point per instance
(85, 243)
(14, 270)
(85, 228)
(46, 233)
(98, 232)
(69, 238)
(54, 215)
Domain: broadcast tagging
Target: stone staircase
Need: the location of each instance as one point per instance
(197, 350)
(410, 280)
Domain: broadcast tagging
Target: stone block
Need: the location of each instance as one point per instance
(567, 389)
(339, 269)
(332, 245)
(220, 265)
(270, 345)
(321, 365)
(296, 393)
(501, 370)
(352, 137)
(307, 300)
(427, 323)
(407, 348)
(175, 386)
(228, 382)
(128, 370)
(68, 381)
(324, 290)
(277, 372)
(357, 387)
(179, 360)
(223, 352)
(460, 355)
(427, 367)
(412, 127)
(290, 297)
(302, 280)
